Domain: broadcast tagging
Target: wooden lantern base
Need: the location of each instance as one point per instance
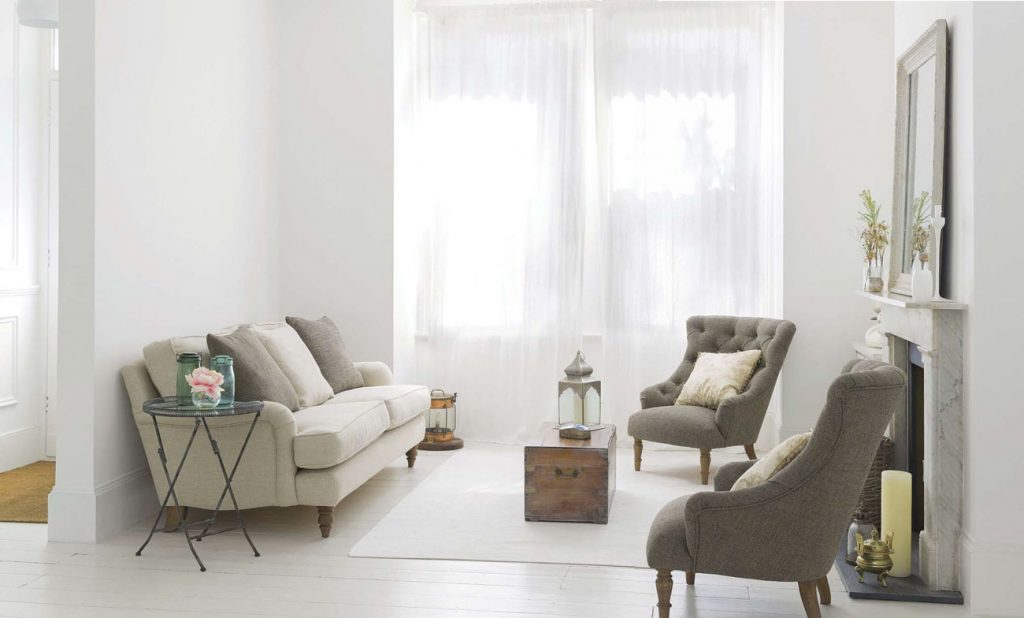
(449, 445)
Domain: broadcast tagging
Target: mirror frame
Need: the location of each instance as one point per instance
(934, 43)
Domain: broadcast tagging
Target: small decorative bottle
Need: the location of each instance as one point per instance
(187, 362)
(225, 365)
(864, 529)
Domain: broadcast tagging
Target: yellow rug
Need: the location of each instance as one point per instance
(23, 492)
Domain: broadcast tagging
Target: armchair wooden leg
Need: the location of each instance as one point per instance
(638, 450)
(750, 451)
(824, 592)
(691, 576)
(325, 517)
(809, 596)
(664, 585)
(410, 456)
(705, 465)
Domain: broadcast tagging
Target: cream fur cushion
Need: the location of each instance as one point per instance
(776, 459)
(717, 376)
(295, 359)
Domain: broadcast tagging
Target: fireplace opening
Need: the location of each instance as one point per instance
(915, 433)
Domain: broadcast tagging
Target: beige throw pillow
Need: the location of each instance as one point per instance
(717, 376)
(295, 359)
(776, 459)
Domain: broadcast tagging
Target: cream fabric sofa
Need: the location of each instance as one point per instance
(314, 456)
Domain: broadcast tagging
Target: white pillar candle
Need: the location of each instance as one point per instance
(896, 496)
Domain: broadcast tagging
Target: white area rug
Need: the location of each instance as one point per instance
(471, 508)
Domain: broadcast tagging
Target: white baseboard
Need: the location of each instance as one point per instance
(91, 516)
(20, 448)
(989, 577)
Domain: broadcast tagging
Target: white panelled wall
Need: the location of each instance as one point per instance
(23, 79)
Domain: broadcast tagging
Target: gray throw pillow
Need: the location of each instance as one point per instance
(257, 376)
(324, 340)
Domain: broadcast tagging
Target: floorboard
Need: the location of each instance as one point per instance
(301, 575)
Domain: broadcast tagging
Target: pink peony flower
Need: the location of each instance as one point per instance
(206, 380)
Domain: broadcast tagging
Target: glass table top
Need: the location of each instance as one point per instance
(169, 406)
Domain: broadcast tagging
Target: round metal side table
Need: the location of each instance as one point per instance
(169, 407)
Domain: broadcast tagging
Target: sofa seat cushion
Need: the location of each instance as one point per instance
(404, 401)
(327, 435)
(690, 426)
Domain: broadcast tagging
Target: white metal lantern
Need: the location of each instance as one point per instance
(579, 395)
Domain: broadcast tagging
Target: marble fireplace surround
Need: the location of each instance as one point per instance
(937, 330)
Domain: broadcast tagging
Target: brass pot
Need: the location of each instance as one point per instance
(874, 556)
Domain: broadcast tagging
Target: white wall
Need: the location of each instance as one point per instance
(838, 139)
(175, 224)
(337, 168)
(22, 354)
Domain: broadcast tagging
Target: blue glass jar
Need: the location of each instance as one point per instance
(225, 365)
(187, 362)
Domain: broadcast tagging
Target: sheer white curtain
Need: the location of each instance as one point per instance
(581, 176)
(499, 211)
(687, 211)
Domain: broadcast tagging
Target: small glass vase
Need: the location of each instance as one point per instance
(204, 401)
(864, 528)
(225, 365)
(873, 282)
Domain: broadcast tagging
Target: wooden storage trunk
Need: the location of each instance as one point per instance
(570, 480)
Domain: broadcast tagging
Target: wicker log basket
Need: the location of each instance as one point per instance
(869, 508)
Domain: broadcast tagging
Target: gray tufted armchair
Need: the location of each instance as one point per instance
(787, 528)
(737, 421)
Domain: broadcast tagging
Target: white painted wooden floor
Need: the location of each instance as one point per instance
(300, 574)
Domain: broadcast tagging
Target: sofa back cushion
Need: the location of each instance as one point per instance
(162, 360)
(258, 377)
(324, 341)
(298, 364)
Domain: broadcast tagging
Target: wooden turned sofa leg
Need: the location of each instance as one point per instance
(325, 517)
(171, 519)
(705, 465)
(638, 451)
(750, 451)
(410, 456)
(664, 585)
(809, 597)
(691, 577)
(824, 592)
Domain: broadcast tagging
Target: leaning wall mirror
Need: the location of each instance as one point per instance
(920, 158)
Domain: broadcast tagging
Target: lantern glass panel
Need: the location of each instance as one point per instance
(441, 419)
(579, 401)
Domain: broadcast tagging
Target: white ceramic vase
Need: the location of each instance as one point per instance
(921, 284)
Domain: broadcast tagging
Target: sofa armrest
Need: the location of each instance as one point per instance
(266, 473)
(375, 373)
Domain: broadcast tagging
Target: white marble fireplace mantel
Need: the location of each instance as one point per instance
(936, 328)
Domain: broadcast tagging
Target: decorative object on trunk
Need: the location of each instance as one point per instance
(579, 395)
(441, 419)
(574, 431)
(897, 488)
(874, 556)
(874, 238)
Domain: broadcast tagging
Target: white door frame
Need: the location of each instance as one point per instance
(52, 203)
